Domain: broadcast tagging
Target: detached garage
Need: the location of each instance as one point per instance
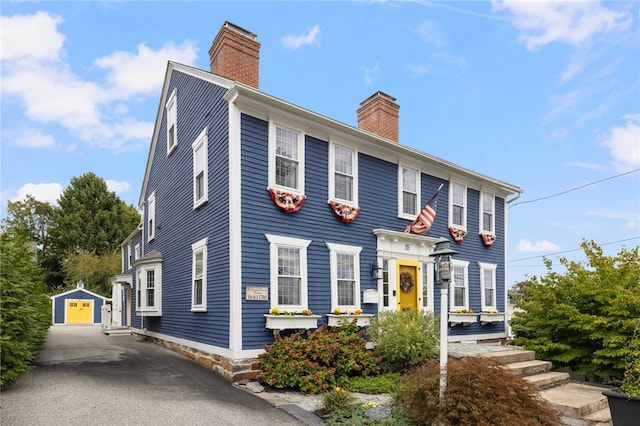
(77, 306)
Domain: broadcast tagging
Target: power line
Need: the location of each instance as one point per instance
(575, 189)
(570, 251)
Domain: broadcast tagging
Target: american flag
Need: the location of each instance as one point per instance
(425, 219)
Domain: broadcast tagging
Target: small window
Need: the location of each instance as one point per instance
(136, 252)
(129, 256)
(385, 283)
(149, 288)
(286, 163)
(288, 272)
(459, 285)
(199, 276)
(172, 122)
(345, 276)
(488, 285)
(200, 169)
(458, 206)
(427, 273)
(409, 191)
(487, 216)
(151, 217)
(343, 185)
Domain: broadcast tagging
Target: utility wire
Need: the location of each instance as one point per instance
(569, 251)
(574, 189)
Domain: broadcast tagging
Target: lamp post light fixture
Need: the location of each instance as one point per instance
(375, 271)
(442, 253)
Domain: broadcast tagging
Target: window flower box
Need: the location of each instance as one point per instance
(491, 317)
(462, 318)
(335, 320)
(279, 320)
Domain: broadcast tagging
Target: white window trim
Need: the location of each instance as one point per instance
(201, 140)
(172, 118)
(142, 304)
(332, 174)
(460, 264)
(334, 250)
(401, 213)
(272, 158)
(488, 267)
(493, 213)
(136, 252)
(151, 217)
(464, 206)
(276, 241)
(129, 256)
(199, 247)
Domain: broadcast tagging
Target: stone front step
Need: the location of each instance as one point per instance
(508, 357)
(529, 368)
(576, 400)
(548, 380)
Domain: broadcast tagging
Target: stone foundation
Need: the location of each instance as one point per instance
(234, 371)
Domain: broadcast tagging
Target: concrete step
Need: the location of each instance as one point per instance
(119, 331)
(599, 418)
(529, 368)
(576, 400)
(508, 357)
(548, 380)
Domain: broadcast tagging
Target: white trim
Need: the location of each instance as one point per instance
(277, 241)
(142, 304)
(334, 250)
(151, 216)
(464, 205)
(491, 268)
(428, 284)
(272, 157)
(401, 213)
(332, 173)
(199, 247)
(172, 119)
(455, 263)
(201, 141)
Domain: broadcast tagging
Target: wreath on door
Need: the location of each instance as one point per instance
(406, 282)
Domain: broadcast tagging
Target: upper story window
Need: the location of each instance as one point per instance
(487, 213)
(172, 122)
(286, 162)
(151, 216)
(458, 206)
(129, 256)
(199, 276)
(149, 286)
(343, 179)
(409, 192)
(345, 276)
(136, 252)
(488, 285)
(288, 258)
(200, 169)
(459, 285)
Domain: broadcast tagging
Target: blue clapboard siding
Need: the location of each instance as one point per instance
(60, 304)
(199, 104)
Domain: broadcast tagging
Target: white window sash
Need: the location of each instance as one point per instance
(276, 242)
(459, 264)
(172, 122)
(335, 174)
(354, 251)
(489, 268)
(402, 189)
(462, 203)
(298, 158)
(200, 167)
(199, 248)
(151, 217)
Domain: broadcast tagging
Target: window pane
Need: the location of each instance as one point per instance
(346, 292)
(286, 172)
(288, 291)
(289, 280)
(457, 194)
(409, 180)
(197, 292)
(345, 266)
(486, 222)
(150, 288)
(344, 185)
(199, 185)
(344, 161)
(286, 143)
(458, 215)
(409, 203)
(172, 135)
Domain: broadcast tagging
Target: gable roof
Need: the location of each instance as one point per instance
(84, 290)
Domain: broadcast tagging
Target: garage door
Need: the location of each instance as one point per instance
(79, 311)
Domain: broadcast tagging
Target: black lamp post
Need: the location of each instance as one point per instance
(442, 253)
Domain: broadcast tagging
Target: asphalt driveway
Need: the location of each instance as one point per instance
(83, 377)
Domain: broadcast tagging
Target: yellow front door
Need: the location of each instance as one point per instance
(79, 311)
(407, 280)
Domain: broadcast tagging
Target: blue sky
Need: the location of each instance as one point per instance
(543, 95)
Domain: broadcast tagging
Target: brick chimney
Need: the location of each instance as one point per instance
(235, 54)
(380, 114)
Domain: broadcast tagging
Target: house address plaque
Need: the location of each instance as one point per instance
(257, 293)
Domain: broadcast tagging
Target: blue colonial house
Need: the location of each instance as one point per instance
(254, 207)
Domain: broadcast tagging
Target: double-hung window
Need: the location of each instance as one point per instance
(345, 276)
(200, 169)
(458, 206)
(459, 285)
(488, 285)
(149, 285)
(288, 259)
(409, 192)
(343, 185)
(286, 162)
(487, 213)
(172, 122)
(199, 276)
(151, 216)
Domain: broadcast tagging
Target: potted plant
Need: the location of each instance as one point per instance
(491, 316)
(462, 317)
(624, 402)
(339, 317)
(278, 319)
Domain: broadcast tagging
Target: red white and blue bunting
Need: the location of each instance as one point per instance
(346, 212)
(287, 201)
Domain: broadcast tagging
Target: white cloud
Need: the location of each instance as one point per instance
(624, 144)
(29, 138)
(46, 192)
(527, 246)
(430, 33)
(571, 22)
(118, 186)
(295, 41)
(31, 36)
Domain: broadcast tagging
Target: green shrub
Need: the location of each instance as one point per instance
(355, 416)
(478, 392)
(316, 361)
(372, 385)
(405, 338)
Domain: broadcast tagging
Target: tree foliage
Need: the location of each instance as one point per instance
(583, 319)
(25, 313)
(93, 270)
